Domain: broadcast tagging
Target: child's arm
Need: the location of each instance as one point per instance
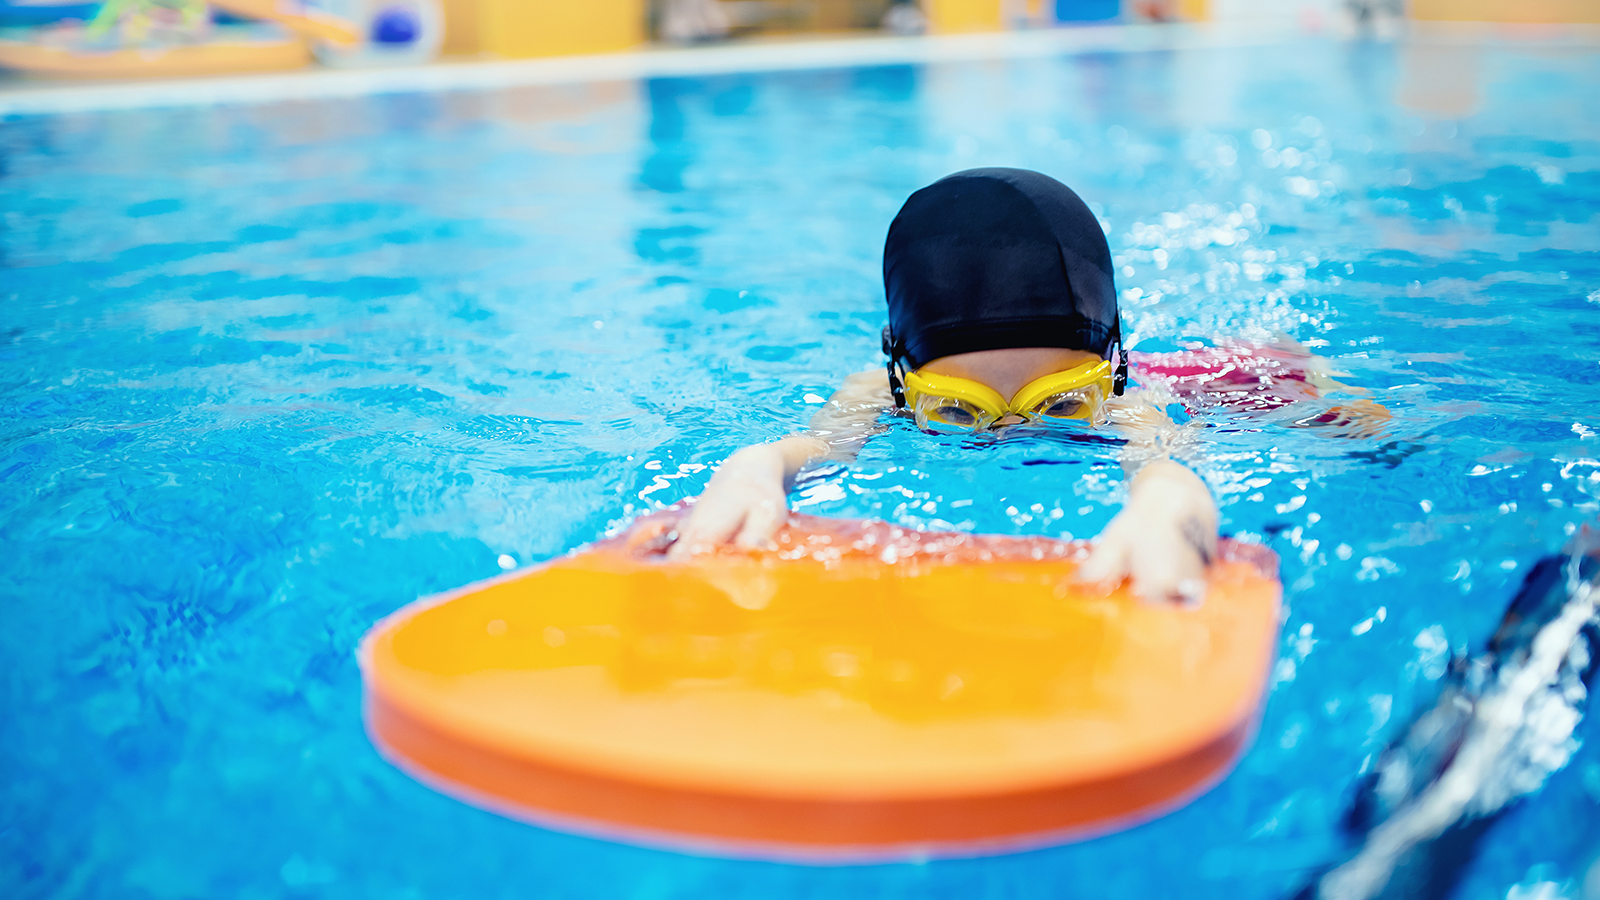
(1166, 535)
(748, 499)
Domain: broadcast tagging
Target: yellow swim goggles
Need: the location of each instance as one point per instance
(945, 402)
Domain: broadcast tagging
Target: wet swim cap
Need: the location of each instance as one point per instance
(990, 259)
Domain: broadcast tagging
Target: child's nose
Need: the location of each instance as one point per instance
(1012, 419)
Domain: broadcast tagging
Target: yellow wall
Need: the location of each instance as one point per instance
(520, 28)
(951, 16)
(1507, 10)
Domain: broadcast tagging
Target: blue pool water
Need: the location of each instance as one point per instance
(267, 373)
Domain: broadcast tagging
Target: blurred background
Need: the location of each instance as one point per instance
(280, 353)
(154, 38)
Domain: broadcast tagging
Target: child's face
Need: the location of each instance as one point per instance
(1008, 371)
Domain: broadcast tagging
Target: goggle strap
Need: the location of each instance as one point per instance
(892, 349)
(1119, 381)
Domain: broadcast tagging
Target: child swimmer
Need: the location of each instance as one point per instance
(1002, 310)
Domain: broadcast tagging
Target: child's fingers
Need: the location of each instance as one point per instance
(1107, 564)
(761, 523)
(1173, 574)
(650, 538)
(1164, 566)
(710, 524)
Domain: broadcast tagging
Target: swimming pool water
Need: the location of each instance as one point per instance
(269, 372)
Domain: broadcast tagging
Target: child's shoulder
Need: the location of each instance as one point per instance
(871, 385)
(1140, 409)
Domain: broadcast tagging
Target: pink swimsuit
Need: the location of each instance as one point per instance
(1240, 377)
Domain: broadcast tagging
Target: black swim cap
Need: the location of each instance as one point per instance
(989, 259)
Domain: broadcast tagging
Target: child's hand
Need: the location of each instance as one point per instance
(745, 503)
(1163, 539)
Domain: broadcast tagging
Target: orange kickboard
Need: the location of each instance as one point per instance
(861, 692)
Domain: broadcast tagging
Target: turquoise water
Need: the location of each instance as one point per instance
(268, 373)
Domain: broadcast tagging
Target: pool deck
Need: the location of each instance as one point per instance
(20, 96)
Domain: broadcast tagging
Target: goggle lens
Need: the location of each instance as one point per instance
(936, 413)
(1079, 403)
